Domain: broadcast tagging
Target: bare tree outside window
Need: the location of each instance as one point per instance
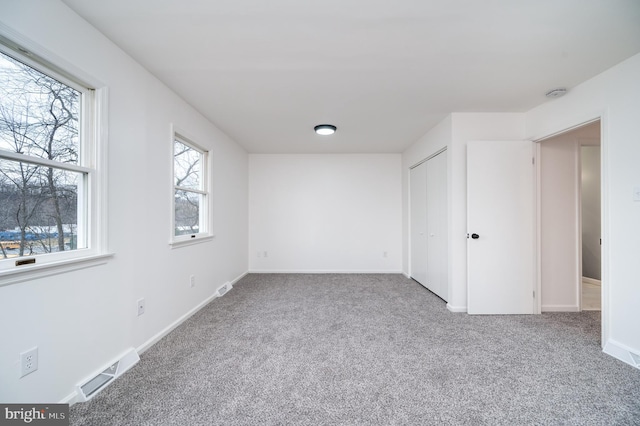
(39, 120)
(189, 189)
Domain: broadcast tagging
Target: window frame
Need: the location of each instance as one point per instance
(205, 212)
(92, 164)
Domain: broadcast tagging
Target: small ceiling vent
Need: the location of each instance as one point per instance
(556, 93)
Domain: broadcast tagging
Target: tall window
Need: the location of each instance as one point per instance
(190, 191)
(46, 164)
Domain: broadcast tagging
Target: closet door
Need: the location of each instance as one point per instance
(418, 222)
(436, 201)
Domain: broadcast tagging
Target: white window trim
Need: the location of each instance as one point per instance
(95, 119)
(206, 213)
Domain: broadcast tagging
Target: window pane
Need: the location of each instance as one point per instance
(39, 115)
(187, 212)
(187, 166)
(38, 209)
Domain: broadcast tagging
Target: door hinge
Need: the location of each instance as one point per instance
(534, 294)
(533, 160)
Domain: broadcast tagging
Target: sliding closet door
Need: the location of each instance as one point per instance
(428, 182)
(437, 225)
(418, 200)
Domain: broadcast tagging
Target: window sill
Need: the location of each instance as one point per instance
(32, 272)
(183, 243)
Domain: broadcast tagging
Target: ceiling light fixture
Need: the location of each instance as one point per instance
(556, 93)
(325, 129)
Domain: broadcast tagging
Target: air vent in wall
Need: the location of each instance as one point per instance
(90, 387)
(224, 289)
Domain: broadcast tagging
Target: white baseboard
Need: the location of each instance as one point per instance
(592, 281)
(156, 338)
(70, 399)
(456, 309)
(623, 353)
(153, 340)
(321, 271)
(406, 275)
(560, 308)
(238, 278)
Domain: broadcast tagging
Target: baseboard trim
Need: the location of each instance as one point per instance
(623, 353)
(322, 271)
(406, 275)
(153, 340)
(70, 399)
(592, 281)
(456, 309)
(560, 308)
(156, 338)
(238, 278)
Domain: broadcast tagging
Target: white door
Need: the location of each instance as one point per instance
(418, 199)
(501, 227)
(437, 225)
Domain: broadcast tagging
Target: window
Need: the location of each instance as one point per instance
(190, 191)
(48, 175)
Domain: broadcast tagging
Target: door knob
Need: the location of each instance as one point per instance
(475, 236)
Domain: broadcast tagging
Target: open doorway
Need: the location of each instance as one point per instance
(569, 219)
(590, 215)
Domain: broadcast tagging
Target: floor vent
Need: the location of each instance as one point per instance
(223, 289)
(90, 387)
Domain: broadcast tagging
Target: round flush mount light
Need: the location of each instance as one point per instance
(556, 93)
(325, 129)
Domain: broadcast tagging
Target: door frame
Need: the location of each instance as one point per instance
(602, 116)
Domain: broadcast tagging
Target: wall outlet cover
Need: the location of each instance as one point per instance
(28, 361)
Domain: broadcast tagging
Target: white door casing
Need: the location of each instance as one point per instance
(501, 213)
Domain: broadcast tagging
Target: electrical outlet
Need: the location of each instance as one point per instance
(266, 254)
(384, 254)
(28, 361)
(192, 280)
(141, 306)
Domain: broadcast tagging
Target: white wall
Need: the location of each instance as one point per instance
(325, 213)
(82, 320)
(613, 95)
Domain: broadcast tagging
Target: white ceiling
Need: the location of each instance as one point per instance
(383, 71)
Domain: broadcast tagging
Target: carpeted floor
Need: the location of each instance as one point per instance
(368, 350)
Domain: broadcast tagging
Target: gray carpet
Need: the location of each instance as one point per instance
(368, 350)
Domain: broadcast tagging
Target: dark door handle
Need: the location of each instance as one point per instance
(475, 236)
